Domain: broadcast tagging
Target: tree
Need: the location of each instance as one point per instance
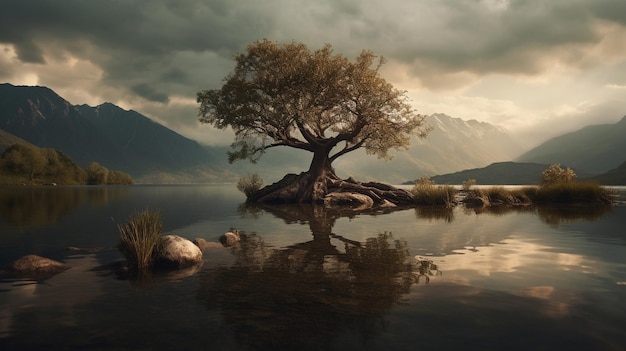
(24, 159)
(97, 174)
(317, 101)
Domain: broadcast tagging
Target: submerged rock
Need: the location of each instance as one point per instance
(230, 238)
(203, 244)
(178, 252)
(33, 265)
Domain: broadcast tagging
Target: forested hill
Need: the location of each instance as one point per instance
(110, 135)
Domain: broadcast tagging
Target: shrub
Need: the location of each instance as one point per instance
(139, 239)
(250, 184)
(468, 184)
(556, 174)
(119, 178)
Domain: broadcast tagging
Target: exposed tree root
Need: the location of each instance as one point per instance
(330, 191)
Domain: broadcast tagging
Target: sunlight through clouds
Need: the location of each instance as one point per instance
(510, 63)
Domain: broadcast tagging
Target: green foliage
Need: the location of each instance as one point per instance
(97, 174)
(139, 239)
(426, 192)
(27, 164)
(555, 174)
(119, 178)
(288, 95)
(250, 184)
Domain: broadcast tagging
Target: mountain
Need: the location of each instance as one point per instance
(452, 145)
(116, 138)
(151, 153)
(616, 176)
(500, 173)
(595, 149)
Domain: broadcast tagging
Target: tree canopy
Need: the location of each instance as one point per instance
(288, 95)
(28, 164)
(318, 101)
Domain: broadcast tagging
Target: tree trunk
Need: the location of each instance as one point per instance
(315, 185)
(320, 172)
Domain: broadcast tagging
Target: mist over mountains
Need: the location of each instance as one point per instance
(152, 153)
(595, 148)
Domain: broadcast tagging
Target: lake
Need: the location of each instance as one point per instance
(310, 279)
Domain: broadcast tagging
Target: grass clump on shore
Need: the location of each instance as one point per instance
(139, 239)
(426, 192)
(574, 192)
(559, 185)
(250, 185)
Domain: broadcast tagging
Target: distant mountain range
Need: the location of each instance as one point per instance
(452, 145)
(595, 149)
(151, 153)
(501, 173)
(116, 138)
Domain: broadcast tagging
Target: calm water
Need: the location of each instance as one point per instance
(306, 279)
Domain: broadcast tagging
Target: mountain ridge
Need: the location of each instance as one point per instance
(43, 118)
(595, 148)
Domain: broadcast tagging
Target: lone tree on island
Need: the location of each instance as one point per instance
(318, 101)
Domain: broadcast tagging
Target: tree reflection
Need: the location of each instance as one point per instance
(312, 294)
(34, 207)
(554, 216)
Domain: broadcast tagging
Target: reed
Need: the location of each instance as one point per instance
(433, 195)
(250, 185)
(140, 238)
(574, 192)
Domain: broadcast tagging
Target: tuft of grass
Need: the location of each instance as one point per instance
(497, 194)
(140, 238)
(574, 192)
(426, 193)
(250, 184)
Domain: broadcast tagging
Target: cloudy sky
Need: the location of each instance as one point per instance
(537, 67)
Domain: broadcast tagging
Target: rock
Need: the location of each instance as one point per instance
(387, 204)
(203, 244)
(33, 265)
(177, 252)
(475, 201)
(354, 200)
(230, 238)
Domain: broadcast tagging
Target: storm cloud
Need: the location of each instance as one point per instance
(153, 56)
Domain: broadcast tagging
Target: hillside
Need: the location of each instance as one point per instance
(616, 176)
(501, 173)
(151, 153)
(595, 149)
(114, 137)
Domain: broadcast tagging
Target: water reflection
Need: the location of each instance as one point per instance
(309, 295)
(435, 213)
(554, 216)
(34, 207)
